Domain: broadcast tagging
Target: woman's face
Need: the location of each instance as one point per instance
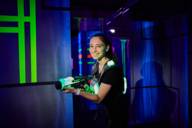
(97, 48)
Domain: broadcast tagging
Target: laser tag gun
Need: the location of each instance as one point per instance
(75, 82)
(81, 82)
(70, 82)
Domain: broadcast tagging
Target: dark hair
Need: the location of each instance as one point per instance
(106, 40)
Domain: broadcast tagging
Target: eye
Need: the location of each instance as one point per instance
(99, 46)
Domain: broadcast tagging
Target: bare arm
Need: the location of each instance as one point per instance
(103, 90)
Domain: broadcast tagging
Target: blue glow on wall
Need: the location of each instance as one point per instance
(149, 79)
(185, 83)
(148, 73)
(146, 99)
(80, 54)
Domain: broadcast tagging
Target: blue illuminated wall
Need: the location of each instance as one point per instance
(160, 59)
(179, 37)
(35, 106)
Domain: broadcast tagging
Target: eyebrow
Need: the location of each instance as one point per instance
(98, 44)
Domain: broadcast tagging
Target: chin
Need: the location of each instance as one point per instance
(97, 57)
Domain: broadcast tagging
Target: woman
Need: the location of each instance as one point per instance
(107, 81)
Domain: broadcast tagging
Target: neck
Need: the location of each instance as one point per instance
(103, 60)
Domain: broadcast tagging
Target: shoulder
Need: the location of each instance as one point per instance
(110, 65)
(112, 69)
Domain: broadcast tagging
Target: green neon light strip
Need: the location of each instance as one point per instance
(12, 18)
(21, 19)
(33, 41)
(21, 41)
(123, 43)
(90, 62)
(9, 29)
(9, 18)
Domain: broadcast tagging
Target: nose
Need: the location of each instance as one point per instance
(93, 49)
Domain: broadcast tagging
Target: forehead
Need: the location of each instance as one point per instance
(96, 41)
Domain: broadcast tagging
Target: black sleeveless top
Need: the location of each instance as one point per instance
(115, 102)
(112, 75)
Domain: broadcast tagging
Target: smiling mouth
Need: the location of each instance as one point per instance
(96, 54)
